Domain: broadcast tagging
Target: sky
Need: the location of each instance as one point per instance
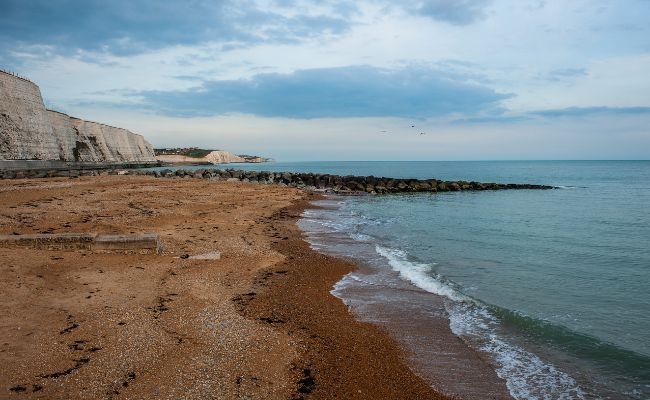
(334, 80)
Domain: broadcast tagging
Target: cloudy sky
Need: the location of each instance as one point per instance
(348, 80)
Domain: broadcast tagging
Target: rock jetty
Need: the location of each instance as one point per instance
(321, 182)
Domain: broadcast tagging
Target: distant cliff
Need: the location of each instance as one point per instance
(199, 156)
(30, 132)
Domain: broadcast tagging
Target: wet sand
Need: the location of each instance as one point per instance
(418, 320)
(257, 323)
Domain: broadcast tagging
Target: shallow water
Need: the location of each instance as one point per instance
(552, 284)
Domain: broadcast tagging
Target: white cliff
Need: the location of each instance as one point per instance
(214, 157)
(223, 157)
(30, 132)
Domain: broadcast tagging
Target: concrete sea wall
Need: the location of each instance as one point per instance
(30, 132)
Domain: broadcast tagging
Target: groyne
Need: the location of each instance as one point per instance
(321, 182)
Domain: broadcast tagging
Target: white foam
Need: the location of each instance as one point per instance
(526, 375)
(418, 274)
(570, 187)
(340, 285)
(360, 237)
(349, 279)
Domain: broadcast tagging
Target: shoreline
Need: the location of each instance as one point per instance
(78, 324)
(343, 357)
(416, 319)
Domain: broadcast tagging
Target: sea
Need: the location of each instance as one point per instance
(552, 287)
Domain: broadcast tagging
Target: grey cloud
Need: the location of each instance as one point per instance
(128, 27)
(568, 113)
(591, 111)
(456, 12)
(493, 119)
(565, 73)
(358, 91)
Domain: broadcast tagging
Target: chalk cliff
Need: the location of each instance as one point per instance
(214, 157)
(223, 157)
(30, 132)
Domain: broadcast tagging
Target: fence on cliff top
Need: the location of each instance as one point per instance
(15, 75)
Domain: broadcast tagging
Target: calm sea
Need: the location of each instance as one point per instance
(554, 286)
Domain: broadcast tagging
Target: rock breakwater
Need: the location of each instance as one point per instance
(321, 182)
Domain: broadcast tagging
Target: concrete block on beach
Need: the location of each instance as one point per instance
(213, 255)
(59, 241)
(142, 243)
(147, 243)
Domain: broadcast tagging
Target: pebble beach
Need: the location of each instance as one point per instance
(256, 322)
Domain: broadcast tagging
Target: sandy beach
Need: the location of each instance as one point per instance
(258, 322)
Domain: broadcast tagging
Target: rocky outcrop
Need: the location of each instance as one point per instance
(30, 132)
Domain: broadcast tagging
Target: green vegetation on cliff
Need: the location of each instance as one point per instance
(193, 152)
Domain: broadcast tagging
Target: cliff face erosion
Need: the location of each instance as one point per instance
(30, 132)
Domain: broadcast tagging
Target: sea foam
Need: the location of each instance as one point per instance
(526, 375)
(418, 274)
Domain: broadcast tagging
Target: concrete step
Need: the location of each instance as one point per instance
(144, 243)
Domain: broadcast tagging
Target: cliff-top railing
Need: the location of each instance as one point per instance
(15, 75)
